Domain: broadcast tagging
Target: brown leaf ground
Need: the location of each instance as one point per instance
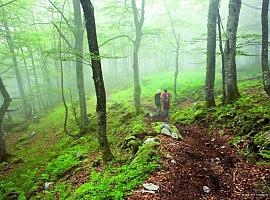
(203, 160)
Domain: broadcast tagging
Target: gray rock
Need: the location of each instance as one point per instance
(173, 162)
(36, 119)
(166, 126)
(148, 191)
(148, 140)
(151, 187)
(206, 189)
(48, 185)
(165, 132)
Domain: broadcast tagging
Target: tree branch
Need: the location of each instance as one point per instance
(63, 17)
(7, 3)
(114, 38)
(62, 35)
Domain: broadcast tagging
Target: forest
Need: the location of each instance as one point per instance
(134, 99)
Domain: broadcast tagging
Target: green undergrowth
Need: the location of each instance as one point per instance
(46, 154)
(115, 182)
(248, 120)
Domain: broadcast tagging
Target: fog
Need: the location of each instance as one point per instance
(33, 29)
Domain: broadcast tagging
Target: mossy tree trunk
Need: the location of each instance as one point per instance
(79, 64)
(88, 10)
(232, 92)
(3, 110)
(138, 21)
(211, 53)
(264, 53)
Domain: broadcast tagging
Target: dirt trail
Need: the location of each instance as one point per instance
(203, 160)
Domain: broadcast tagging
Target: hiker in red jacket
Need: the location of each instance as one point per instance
(166, 98)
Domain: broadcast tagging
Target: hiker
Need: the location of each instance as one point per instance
(158, 101)
(166, 102)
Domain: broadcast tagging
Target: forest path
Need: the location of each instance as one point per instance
(202, 160)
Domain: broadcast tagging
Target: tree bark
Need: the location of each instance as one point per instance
(264, 54)
(32, 108)
(88, 10)
(138, 21)
(211, 53)
(232, 92)
(39, 96)
(176, 65)
(222, 58)
(79, 64)
(3, 110)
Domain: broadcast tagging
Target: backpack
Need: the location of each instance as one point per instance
(166, 97)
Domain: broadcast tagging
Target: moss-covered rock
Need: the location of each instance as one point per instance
(145, 153)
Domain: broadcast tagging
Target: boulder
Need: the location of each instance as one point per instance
(172, 132)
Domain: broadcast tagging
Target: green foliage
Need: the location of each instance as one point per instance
(115, 182)
(265, 153)
(65, 162)
(262, 139)
(235, 140)
(22, 188)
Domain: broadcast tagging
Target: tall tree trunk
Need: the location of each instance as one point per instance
(79, 64)
(232, 92)
(17, 71)
(46, 75)
(176, 66)
(3, 110)
(88, 10)
(138, 21)
(264, 54)
(29, 83)
(211, 53)
(39, 95)
(222, 58)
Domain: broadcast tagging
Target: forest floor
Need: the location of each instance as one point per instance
(202, 160)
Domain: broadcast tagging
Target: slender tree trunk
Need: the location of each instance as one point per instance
(79, 64)
(39, 95)
(176, 66)
(46, 75)
(29, 83)
(88, 10)
(3, 110)
(264, 54)
(222, 58)
(17, 71)
(232, 92)
(138, 21)
(211, 53)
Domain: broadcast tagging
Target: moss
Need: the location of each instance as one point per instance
(145, 153)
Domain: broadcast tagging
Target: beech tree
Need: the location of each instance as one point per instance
(232, 92)
(79, 64)
(89, 16)
(138, 22)
(264, 53)
(211, 53)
